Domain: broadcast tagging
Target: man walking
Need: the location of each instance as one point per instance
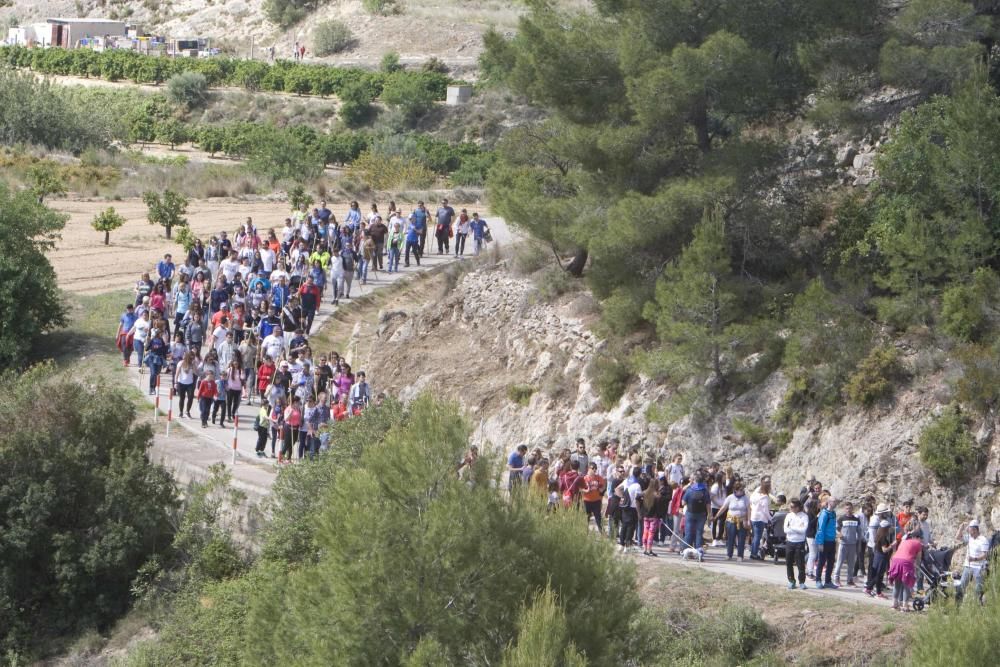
(445, 215)
(826, 543)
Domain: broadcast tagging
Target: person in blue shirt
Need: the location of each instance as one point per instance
(419, 219)
(515, 464)
(479, 230)
(412, 243)
(445, 215)
(165, 269)
(324, 213)
(826, 544)
(280, 293)
(353, 217)
(125, 324)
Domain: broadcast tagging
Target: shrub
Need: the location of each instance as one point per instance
(965, 635)
(413, 95)
(751, 432)
(390, 63)
(553, 283)
(611, 377)
(288, 12)
(331, 37)
(188, 90)
(383, 7)
(385, 172)
(947, 448)
(172, 132)
(434, 64)
(520, 393)
(876, 378)
(356, 104)
(36, 112)
(978, 387)
(967, 308)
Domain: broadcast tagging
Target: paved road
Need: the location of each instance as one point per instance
(246, 438)
(764, 572)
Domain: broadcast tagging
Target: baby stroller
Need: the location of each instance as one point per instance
(775, 540)
(936, 568)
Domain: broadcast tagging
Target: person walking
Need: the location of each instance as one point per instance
(796, 524)
(480, 231)
(977, 555)
(885, 542)
(826, 544)
(696, 502)
(412, 243)
(207, 390)
(736, 510)
(628, 493)
(849, 532)
(184, 380)
(760, 515)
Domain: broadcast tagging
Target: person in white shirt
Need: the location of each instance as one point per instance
(139, 332)
(267, 259)
(760, 514)
(977, 555)
(796, 524)
(230, 267)
(273, 344)
(675, 471)
(734, 509)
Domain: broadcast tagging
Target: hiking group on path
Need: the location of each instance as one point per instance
(232, 322)
(651, 501)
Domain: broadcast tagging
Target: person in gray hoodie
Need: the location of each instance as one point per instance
(849, 530)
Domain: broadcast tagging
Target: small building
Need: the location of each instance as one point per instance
(65, 32)
(458, 95)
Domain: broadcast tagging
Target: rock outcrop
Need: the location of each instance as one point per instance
(491, 332)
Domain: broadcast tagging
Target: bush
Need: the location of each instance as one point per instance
(288, 12)
(520, 393)
(947, 448)
(751, 432)
(978, 387)
(390, 63)
(967, 309)
(331, 37)
(413, 95)
(188, 90)
(611, 377)
(77, 521)
(876, 378)
(385, 172)
(356, 104)
(383, 7)
(951, 636)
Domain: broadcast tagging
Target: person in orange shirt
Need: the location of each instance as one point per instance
(207, 392)
(903, 519)
(341, 411)
(593, 491)
(540, 478)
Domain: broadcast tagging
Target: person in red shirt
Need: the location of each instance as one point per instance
(264, 375)
(341, 410)
(903, 518)
(309, 297)
(207, 391)
(570, 483)
(593, 491)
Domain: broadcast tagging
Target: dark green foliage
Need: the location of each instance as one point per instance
(947, 447)
(115, 65)
(29, 305)
(172, 132)
(963, 635)
(81, 507)
(611, 377)
(356, 104)
(36, 112)
(383, 7)
(968, 309)
(390, 63)
(827, 339)
(188, 90)
(978, 387)
(520, 393)
(288, 12)
(408, 93)
(167, 210)
(877, 377)
(331, 37)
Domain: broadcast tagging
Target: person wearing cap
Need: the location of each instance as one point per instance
(977, 555)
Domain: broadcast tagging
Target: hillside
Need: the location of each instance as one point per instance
(449, 30)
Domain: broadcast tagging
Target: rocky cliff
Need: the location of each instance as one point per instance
(492, 332)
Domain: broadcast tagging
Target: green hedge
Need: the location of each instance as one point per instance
(283, 76)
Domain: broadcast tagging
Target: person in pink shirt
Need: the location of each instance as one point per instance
(903, 568)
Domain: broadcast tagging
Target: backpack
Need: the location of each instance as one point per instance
(348, 260)
(625, 502)
(698, 503)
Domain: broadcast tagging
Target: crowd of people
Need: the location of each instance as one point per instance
(647, 501)
(232, 321)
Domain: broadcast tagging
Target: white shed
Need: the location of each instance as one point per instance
(67, 32)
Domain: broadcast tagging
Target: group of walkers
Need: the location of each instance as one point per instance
(649, 501)
(232, 322)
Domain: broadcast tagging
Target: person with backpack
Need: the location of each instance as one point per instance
(647, 513)
(696, 501)
(613, 511)
(347, 264)
(156, 357)
(628, 492)
(412, 243)
(570, 483)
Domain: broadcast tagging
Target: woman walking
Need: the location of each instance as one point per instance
(290, 432)
(186, 376)
(234, 388)
(736, 509)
